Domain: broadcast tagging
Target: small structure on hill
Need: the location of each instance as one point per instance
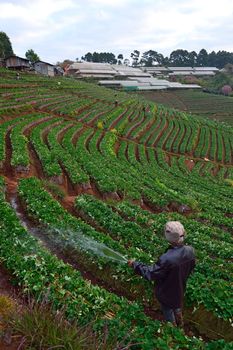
(17, 63)
(44, 68)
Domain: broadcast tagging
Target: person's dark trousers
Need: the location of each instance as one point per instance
(172, 315)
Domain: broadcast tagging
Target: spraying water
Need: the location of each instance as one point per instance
(79, 240)
(73, 239)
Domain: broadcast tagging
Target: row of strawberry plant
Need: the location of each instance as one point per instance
(47, 158)
(74, 171)
(168, 144)
(19, 142)
(142, 127)
(157, 133)
(4, 127)
(146, 137)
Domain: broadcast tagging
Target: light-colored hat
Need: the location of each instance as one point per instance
(174, 232)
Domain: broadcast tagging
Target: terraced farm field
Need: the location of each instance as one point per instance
(71, 161)
(196, 102)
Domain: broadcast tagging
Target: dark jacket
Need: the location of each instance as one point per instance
(170, 273)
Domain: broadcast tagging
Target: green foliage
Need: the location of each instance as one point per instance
(100, 57)
(5, 46)
(219, 80)
(32, 56)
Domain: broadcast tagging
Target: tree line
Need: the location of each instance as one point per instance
(178, 58)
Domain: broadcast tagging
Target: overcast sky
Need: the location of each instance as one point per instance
(60, 29)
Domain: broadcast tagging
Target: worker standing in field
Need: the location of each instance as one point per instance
(170, 272)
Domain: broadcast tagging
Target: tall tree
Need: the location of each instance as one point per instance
(192, 58)
(212, 59)
(120, 58)
(179, 58)
(222, 58)
(126, 62)
(32, 56)
(151, 57)
(135, 57)
(5, 46)
(101, 57)
(88, 57)
(202, 58)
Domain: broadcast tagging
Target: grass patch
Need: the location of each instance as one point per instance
(43, 329)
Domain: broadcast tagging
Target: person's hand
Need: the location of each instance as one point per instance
(130, 262)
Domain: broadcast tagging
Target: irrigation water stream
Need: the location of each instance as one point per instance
(71, 238)
(83, 242)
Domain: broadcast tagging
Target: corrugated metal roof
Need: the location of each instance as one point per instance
(185, 86)
(161, 87)
(203, 73)
(95, 71)
(153, 69)
(149, 84)
(181, 73)
(117, 82)
(89, 65)
(14, 56)
(180, 68)
(48, 64)
(215, 69)
(96, 76)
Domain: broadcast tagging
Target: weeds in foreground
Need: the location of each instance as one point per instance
(43, 329)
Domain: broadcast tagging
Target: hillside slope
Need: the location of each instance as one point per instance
(72, 160)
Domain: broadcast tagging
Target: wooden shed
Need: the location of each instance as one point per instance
(16, 62)
(44, 68)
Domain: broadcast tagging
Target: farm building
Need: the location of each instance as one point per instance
(90, 70)
(146, 83)
(197, 71)
(103, 71)
(16, 62)
(44, 68)
(171, 71)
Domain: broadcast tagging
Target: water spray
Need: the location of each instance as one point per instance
(88, 244)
